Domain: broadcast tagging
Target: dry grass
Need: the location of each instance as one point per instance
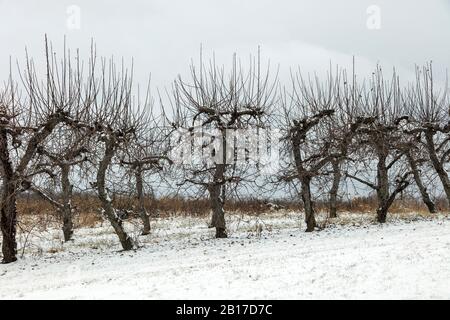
(88, 213)
(400, 206)
(38, 222)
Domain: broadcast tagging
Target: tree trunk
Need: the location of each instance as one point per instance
(8, 222)
(382, 211)
(308, 204)
(140, 197)
(12, 180)
(8, 205)
(217, 193)
(335, 188)
(383, 188)
(418, 179)
(67, 211)
(437, 164)
(305, 181)
(116, 222)
(218, 214)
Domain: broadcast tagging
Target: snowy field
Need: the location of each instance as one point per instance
(351, 258)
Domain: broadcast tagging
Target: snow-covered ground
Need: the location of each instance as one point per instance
(180, 260)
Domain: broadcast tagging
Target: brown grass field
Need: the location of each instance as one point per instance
(87, 207)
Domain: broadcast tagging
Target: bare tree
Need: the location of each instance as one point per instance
(379, 136)
(429, 122)
(213, 106)
(416, 158)
(343, 129)
(320, 126)
(66, 150)
(307, 166)
(147, 153)
(26, 123)
(117, 121)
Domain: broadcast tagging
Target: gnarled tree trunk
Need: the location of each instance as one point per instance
(140, 197)
(418, 179)
(383, 187)
(385, 197)
(8, 222)
(216, 197)
(308, 204)
(305, 181)
(437, 164)
(335, 188)
(8, 204)
(218, 214)
(108, 210)
(66, 211)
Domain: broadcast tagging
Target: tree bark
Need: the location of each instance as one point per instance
(437, 164)
(218, 214)
(116, 222)
(67, 211)
(308, 204)
(418, 179)
(216, 198)
(335, 188)
(140, 197)
(8, 206)
(8, 223)
(385, 197)
(383, 187)
(305, 181)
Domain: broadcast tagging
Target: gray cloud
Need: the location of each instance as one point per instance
(163, 36)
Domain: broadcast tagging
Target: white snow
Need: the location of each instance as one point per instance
(181, 260)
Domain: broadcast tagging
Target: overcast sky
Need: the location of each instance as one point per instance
(164, 35)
